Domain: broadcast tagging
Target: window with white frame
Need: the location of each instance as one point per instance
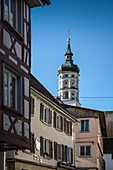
(72, 83)
(13, 14)
(67, 127)
(58, 117)
(85, 151)
(66, 83)
(12, 89)
(45, 114)
(73, 95)
(84, 125)
(69, 155)
(59, 151)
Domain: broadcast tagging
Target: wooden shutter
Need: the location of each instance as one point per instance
(55, 150)
(50, 116)
(63, 159)
(61, 123)
(65, 125)
(32, 143)
(41, 146)
(71, 128)
(41, 111)
(71, 156)
(50, 149)
(54, 119)
(66, 153)
(32, 106)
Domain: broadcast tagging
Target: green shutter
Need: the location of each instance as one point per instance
(71, 156)
(32, 106)
(41, 111)
(71, 128)
(65, 125)
(63, 159)
(54, 119)
(50, 116)
(32, 143)
(41, 146)
(61, 123)
(50, 149)
(66, 153)
(55, 150)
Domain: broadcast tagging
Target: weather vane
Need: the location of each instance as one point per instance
(68, 35)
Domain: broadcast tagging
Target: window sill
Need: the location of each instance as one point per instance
(68, 134)
(84, 131)
(12, 110)
(46, 123)
(85, 156)
(12, 29)
(59, 130)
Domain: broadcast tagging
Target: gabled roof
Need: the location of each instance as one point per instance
(36, 3)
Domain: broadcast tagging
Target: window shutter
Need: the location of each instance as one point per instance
(50, 149)
(61, 123)
(41, 146)
(41, 111)
(63, 153)
(66, 153)
(32, 143)
(54, 119)
(50, 116)
(65, 125)
(71, 156)
(71, 128)
(55, 150)
(32, 106)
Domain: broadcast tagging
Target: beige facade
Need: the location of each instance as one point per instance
(54, 145)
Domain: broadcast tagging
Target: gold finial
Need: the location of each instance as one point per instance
(68, 35)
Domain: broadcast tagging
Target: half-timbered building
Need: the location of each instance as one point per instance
(15, 64)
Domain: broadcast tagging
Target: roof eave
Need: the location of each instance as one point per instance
(37, 3)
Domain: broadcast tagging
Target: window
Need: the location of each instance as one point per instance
(58, 122)
(63, 153)
(65, 95)
(72, 83)
(67, 127)
(59, 152)
(66, 83)
(45, 114)
(46, 149)
(69, 155)
(84, 125)
(12, 89)
(73, 75)
(13, 13)
(73, 95)
(85, 151)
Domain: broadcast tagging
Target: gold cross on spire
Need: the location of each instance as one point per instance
(68, 35)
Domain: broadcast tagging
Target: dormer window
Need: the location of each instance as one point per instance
(13, 14)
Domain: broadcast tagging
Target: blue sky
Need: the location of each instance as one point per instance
(91, 34)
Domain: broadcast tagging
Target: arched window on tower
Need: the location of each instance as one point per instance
(66, 83)
(65, 95)
(72, 95)
(72, 83)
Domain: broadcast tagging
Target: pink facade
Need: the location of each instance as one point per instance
(88, 143)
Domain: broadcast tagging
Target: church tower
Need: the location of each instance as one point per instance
(68, 74)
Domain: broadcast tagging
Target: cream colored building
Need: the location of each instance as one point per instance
(52, 135)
